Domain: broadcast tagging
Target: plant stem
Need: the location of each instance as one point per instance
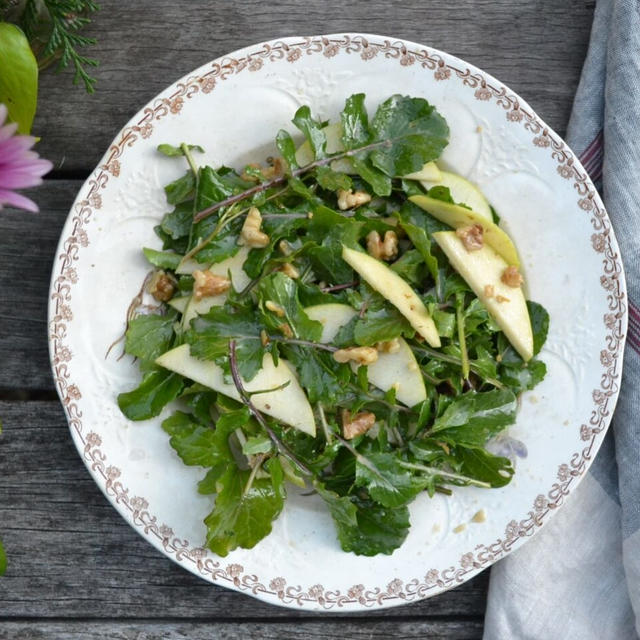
(187, 154)
(340, 287)
(252, 475)
(263, 186)
(461, 336)
(434, 471)
(246, 400)
(325, 426)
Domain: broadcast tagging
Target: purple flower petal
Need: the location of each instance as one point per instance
(18, 201)
(8, 130)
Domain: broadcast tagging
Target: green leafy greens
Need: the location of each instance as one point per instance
(367, 450)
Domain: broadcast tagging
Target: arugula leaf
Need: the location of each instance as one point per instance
(148, 337)
(387, 482)
(332, 180)
(173, 152)
(422, 243)
(210, 483)
(211, 332)
(472, 418)
(484, 466)
(245, 508)
(257, 444)
(378, 326)
(287, 148)
(162, 259)
(415, 133)
(320, 375)
(182, 189)
(281, 290)
(312, 131)
(195, 444)
(156, 390)
(177, 223)
(539, 324)
(410, 267)
(355, 122)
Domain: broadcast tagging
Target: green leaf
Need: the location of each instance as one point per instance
(422, 243)
(244, 510)
(474, 417)
(18, 76)
(410, 267)
(539, 324)
(162, 259)
(355, 122)
(257, 444)
(287, 148)
(387, 482)
(177, 223)
(484, 466)
(377, 179)
(173, 152)
(148, 337)
(381, 325)
(312, 131)
(441, 193)
(281, 290)
(211, 332)
(332, 180)
(210, 483)
(320, 375)
(156, 390)
(364, 527)
(3, 560)
(181, 189)
(415, 133)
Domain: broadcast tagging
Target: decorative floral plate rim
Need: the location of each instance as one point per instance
(275, 589)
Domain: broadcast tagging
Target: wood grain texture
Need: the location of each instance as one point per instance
(535, 47)
(307, 630)
(72, 555)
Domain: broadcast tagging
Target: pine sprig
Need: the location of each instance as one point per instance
(55, 24)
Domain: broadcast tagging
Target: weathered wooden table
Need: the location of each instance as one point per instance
(77, 570)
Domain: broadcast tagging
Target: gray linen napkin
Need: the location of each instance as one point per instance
(580, 576)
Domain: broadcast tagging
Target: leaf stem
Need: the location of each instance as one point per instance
(246, 400)
(434, 471)
(263, 186)
(325, 426)
(461, 336)
(184, 147)
(252, 475)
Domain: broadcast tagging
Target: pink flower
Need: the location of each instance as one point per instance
(19, 166)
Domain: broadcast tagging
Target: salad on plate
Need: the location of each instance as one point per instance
(347, 317)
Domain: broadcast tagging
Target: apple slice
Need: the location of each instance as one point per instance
(461, 191)
(289, 404)
(332, 317)
(482, 270)
(179, 303)
(429, 172)
(389, 284)
(457, 216)
(400, 368)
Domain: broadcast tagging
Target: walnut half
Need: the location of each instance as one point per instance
(353, 426)
(511, 277)
(209, 284)
(251, 236)
(386, 249)
(347, 199)
(360, 355)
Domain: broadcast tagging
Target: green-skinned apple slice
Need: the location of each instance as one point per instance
(457, 216)
(462, 191)
(390, 285)
(399, 369)
(482, 270)
(288, 404)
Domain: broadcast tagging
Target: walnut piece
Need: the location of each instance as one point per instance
(501, 299)
(162, 286)
(489, 290)
(289, 270)
(251, 236)
(386, 249)
(353, 426)
(347, 199)
(471, 236)
(511, 277)
(275, 308)
(389, 346)
(209, 284)
(361, 355)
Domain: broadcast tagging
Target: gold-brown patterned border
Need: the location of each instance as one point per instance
(591, 431)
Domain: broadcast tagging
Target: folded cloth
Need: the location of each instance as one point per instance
(580, 576)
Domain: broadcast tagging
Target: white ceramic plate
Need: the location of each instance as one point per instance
(233, 107)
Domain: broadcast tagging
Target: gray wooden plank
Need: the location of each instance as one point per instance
(307, 630)
(27, 249)
(71, 555)
(535, 47)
